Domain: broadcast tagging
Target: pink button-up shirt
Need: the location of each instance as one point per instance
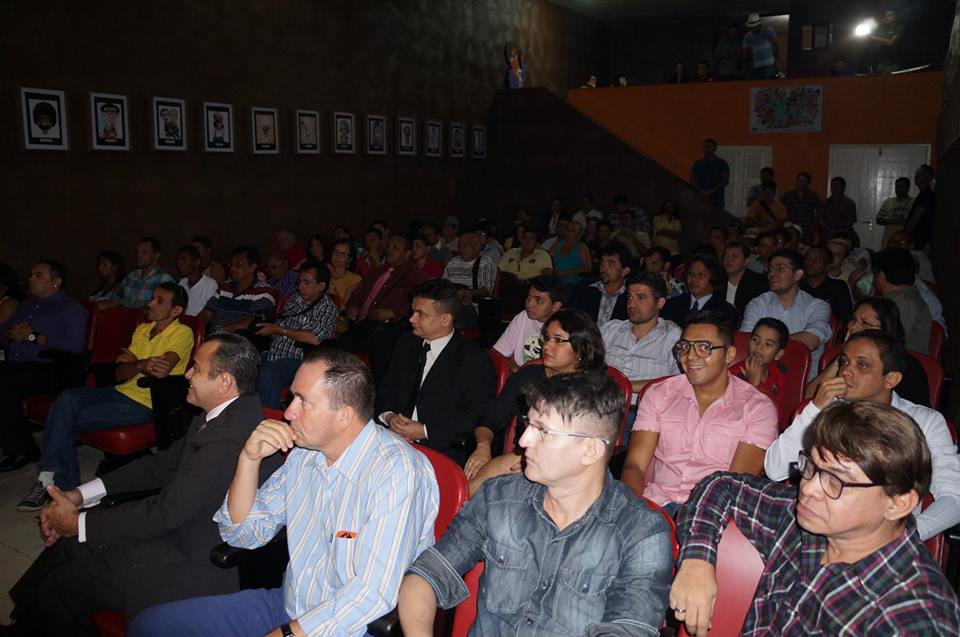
(692, 446)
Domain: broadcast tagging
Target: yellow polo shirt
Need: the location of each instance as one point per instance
(177, 337)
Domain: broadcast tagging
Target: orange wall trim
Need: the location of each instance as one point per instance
(668, 122)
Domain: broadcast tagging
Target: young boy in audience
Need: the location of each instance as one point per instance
(761, 368)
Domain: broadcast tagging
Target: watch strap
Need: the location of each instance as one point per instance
(286, 630)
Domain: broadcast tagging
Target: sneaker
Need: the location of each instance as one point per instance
(35, 500)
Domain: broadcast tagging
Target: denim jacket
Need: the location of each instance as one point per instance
(608, 573)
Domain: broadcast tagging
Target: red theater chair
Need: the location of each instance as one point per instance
(502, 367)
(738, 571)
(168, 395)
(936, 340)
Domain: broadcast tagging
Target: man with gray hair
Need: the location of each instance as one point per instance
(156, 549)
(358, 503)
(569, 550)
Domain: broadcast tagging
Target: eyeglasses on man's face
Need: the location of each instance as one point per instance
(542, 432)
(703, 349)
(780, 267)
(831, 484)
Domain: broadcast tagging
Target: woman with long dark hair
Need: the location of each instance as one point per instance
(111, 269)
(570, 341)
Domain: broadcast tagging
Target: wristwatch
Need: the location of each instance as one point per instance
(32, 336)
(286, 630)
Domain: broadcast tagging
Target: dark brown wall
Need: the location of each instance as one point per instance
(439, 59)
(946, 257)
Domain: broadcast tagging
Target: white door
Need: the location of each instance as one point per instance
(870, 173)
(745, 164)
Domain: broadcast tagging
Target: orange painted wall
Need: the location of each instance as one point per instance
(668, 122)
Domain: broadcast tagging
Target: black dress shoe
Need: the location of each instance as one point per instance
(19, 460)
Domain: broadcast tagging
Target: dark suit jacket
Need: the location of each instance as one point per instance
(587, 298)
(160, 546)
(677, 309)
(752, 285)
(455, 396)
(394, 295)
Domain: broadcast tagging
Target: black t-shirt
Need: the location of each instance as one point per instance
(923, 231)
(836, 293)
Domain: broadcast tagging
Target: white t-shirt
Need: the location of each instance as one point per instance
(521, 339)
(199, 294)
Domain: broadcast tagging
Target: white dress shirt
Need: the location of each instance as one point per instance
(944, 486)
(437, 346)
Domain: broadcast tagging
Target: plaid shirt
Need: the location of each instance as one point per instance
(897, 590)
(320, 320)
(802, 210)
(136, 290)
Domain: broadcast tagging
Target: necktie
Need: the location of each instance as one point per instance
(695, 306)
(417, 380)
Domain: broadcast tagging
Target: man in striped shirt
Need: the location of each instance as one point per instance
(243, 299)
(358, 502)
(842, 555)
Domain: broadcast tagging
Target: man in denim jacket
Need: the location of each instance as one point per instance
(568, 549)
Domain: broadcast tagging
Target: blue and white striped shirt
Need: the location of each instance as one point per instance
(381, 490)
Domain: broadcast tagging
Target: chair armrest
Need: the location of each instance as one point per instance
(226, 556)
(953, 534)
(69, 368)
(386, 626)
(113, 499)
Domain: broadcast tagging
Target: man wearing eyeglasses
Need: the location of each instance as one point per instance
(842, 555)
(705, 420)
(871, 366)
(568, 549)
(807, 318)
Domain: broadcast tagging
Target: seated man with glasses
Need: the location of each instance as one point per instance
(705, 420)
(807, 318)
(870, 367)
(568, 550)
(842, 555)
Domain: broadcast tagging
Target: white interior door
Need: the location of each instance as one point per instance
(870, 172)
(745, 164)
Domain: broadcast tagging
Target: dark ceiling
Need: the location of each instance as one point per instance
(612, 9)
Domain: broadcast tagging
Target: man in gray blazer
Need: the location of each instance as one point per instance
(155, 549)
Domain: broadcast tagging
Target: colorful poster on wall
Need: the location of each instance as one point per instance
(786, 109)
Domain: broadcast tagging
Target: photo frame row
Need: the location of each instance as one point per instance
(45, 128)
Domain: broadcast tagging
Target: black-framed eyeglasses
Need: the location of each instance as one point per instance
(556, 340)
(831, 484)
(780, 268)
(543, 432)
(703, 349)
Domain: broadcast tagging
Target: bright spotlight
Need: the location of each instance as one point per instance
(865, 28)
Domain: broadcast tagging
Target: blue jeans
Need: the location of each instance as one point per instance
(274, 376)
(83, 409)
(253, 612)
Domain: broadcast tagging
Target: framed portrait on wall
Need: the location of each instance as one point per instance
(376, 135)
(169, 124)
(108, 118)
(479, 145)
(218, 127)
(44, 121)
(308, 132)
(264, 130)
(457, 142)
(434, 138)
(344, 134)
(406, 136)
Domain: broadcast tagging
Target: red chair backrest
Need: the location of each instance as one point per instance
(198, 328)
(937, 545)
(91, 309)
(113, 330)
(273, 414)
(830, 352)
(454, 489)
(470, 334)
(502, 367)
(834, 329)
(466, 613)
(738, 571)
(934, 373)
(796, 358)
(936, 340)
(627, 389)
